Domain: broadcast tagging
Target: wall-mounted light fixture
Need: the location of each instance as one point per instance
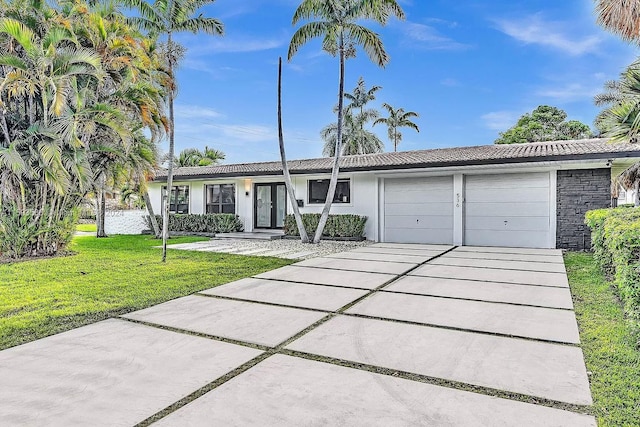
(247, 187)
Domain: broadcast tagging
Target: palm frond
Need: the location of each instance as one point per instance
(306, 33)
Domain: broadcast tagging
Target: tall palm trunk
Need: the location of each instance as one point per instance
(336, 159)
(636, 200)
(152, 215)
(304, 237)
(395, 141)
(102, 210)
(165, 216)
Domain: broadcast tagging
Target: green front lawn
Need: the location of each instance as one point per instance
(106, 278)
(86, 227)
(607, 342)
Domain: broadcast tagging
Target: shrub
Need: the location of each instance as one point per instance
(338, 226)
(88, 212)
(209, 223)
(616, 244)
(29, 233)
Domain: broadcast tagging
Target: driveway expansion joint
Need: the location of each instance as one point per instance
(457, 385)
(475, 300)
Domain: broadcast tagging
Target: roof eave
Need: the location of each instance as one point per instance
(430, 165)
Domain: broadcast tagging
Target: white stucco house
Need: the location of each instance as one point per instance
(523, 195)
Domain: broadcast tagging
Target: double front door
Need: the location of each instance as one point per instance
(270, 205)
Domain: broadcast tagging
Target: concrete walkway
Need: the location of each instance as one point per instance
(383, 335)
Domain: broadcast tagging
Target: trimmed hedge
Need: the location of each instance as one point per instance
(338, 226)
(616, 245)
(209, 223)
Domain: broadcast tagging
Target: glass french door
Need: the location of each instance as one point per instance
(270, 205)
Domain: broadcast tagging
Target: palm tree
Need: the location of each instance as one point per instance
(355, 138)
(211, 156)
(397, 118)
(190, 157)
(338, 26)
(74, 81)
(304, 237)
(361, 96)
(168, 17)
(620, 17)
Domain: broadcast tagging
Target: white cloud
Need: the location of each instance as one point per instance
(238, 45)
(500, 120)
(186, 111)
(534, 30)
(427, 37)
(569, 92)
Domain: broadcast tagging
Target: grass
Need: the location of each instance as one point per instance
(90, 228)
(608, 344)
(107, 277)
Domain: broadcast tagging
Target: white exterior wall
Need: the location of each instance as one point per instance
(364, 198)
(125, 222)
(367, 192)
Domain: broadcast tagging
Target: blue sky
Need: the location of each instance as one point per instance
(470, 69)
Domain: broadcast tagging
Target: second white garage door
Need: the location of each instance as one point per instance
(418, 210)
(507, 210)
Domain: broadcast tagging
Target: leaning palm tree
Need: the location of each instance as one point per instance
(620, 17)
(291, 192)
(338, 25)
(168, 17)
(397, 118)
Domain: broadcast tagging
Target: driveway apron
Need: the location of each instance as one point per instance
(385, 335)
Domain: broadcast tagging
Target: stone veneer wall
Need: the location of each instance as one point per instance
(579, 191)
(125, 222)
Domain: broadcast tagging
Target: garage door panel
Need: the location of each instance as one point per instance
(420, 222)
(508, 181)
(524, 239)
(414, 184)
(419, 209)
(540, 224)
(511, 209)
(424, 195)
(501, 195)
(404, 235)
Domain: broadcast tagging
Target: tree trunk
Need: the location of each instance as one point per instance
(336, 160)
(152, 215)
(636, 200)
(167, 202)
(101, 211)
(304, 237)
(5, 128)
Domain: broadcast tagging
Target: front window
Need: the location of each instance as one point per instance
(221, 198)
(318, 189)
(179, 203)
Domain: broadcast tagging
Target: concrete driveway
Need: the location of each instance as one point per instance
(389, 335)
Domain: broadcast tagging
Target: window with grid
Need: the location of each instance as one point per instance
(221, 198)
(179, 203)
(318, 189)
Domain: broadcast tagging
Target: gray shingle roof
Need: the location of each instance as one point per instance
(442, 157)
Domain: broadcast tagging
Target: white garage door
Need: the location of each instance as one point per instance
(418, 210)
(507, 210)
